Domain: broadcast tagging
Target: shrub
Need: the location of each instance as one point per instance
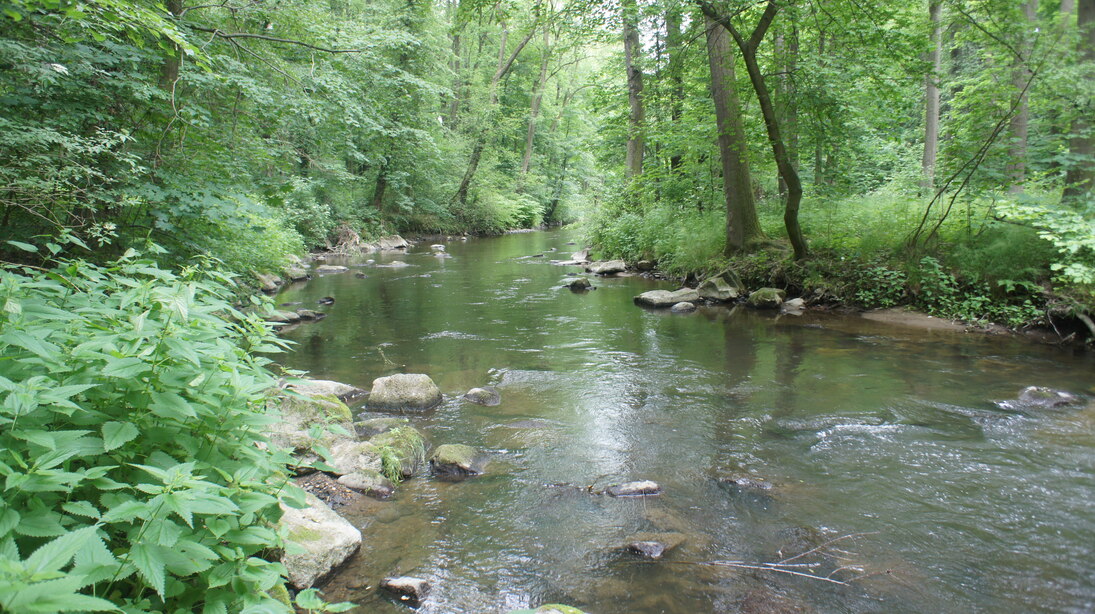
(130, 410)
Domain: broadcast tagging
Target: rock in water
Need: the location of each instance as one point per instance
(665, 298)
(404, 392)
(717, 289)
(437, 247)
(408, 589)
(368, 482)
(375, 426)
(793, 307)
(683, 307)
(634, 489)
(578, 284)
(457, 461)
(326, 269)
(645, 265)
(653, 545)
(767, 298)
(1039, 397)
(327, 538)
(295, 272)
(608, 267)
(283, 317)
(268, 283)
(487, 395)
(392, 242)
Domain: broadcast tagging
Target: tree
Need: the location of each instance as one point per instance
(632, 51)
(1080, 178)
(742, 226)
(931, 97)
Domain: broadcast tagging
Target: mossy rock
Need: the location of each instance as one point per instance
(402, 451)
(281, 594)
(372, 427)
(767, 298)
(317, 407)
(457, 460)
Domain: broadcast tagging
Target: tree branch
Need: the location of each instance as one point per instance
(274, 39)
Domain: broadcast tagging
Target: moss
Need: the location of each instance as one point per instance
(320, 407)
(281, 594)
(401, 451)
(302, 535)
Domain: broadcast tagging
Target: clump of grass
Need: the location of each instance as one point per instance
(401, 450)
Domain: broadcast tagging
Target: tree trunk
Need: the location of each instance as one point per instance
(537, 98)
(1080, 177)
(1019, 123)
(742, 226)
(454, 104)
(381, 187)
(779, 149)
(170, 71)
(786, 107)
(632, 50)
(931, 99)
(673, 48)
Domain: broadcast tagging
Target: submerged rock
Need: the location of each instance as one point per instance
(607, 267)
(793, 307)
(634, 489)
(406, 588)
(578, 284)
(746, 483)
(405, 392)
(1038, 397)
(327, 300)
(437, 247)
(767, 298)
(683, 307)
(327, 539)
(308, 314)
(653, 545)
(550, 608)
(665, 298)
(327, 269)
(487, 396)
(319, 387)
(457, 461)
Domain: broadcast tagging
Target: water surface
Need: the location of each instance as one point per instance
(885, 434)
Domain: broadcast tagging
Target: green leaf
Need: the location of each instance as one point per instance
(26, 247)
(81, 508)
(309, 599)
(116, 434)
(8, 521)
(125, 368)
(171, 405)
(150, 561)
(57, 553)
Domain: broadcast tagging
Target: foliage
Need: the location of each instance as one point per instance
(400, 450)
(132, 404)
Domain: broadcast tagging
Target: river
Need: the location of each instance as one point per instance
(884, 439)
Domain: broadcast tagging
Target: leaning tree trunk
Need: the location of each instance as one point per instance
(742, 226)
(537, 99)
(771, 123)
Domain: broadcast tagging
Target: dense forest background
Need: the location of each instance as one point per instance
(885, 152)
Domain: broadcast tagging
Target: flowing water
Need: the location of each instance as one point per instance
(883, 439)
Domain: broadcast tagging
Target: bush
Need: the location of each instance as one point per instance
(131, 407)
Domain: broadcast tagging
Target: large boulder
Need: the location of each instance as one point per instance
(457, 461)
(349, 456)
(665, 298)
(392, 242)
(718, 289)
(404, 392)
(767, 298)
(322, 387)
(327, 539)
(607, 267)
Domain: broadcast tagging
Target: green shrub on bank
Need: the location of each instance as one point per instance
(131, 406)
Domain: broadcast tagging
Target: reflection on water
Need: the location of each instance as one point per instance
(860, 427)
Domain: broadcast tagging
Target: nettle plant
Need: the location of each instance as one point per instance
(131, 411)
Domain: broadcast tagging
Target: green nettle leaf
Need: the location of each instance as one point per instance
(150, 561)
(116, 434)
(57, 553)
(26, 247)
